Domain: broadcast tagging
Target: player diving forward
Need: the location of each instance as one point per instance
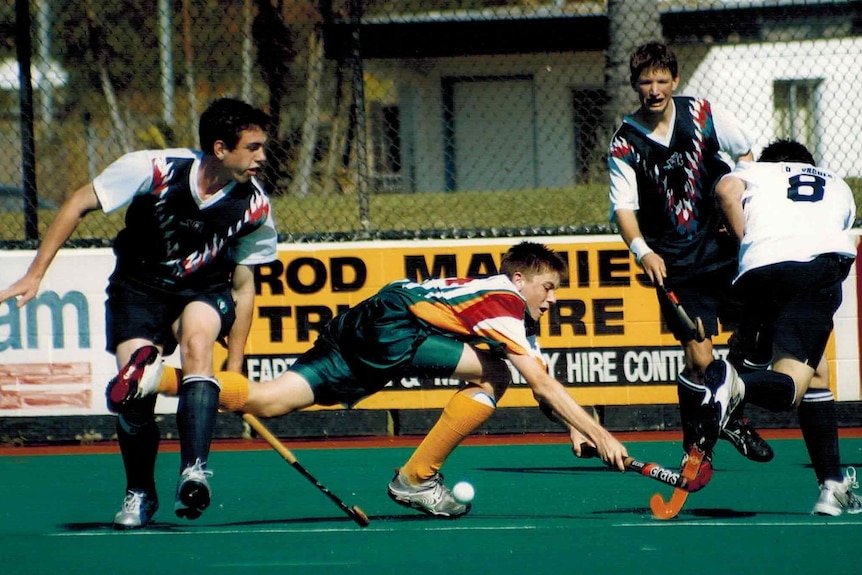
(458, 328)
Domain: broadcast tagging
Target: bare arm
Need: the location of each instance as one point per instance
(550, 391)
(652, 263)
(746, 157)
(243, 295)
(79, 204)
(729, 193)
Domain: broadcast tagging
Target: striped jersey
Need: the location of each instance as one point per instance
(793, 212)
(485, 310)
(172, 237)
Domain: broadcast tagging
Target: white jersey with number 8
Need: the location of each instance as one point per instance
(793, 212)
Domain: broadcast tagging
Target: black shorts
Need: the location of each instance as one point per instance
(795, 303)
(134, 310)
(707, 296)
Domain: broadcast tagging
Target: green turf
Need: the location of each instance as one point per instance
(537, 511)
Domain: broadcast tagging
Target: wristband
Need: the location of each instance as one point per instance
(639, 248)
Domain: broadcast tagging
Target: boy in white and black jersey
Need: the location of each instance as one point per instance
(793, 222)
(664, 160)
(196, 223)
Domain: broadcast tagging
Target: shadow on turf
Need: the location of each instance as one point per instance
(177, 527)
(85, 527)
(699, 513)
(171, 527)
(549, 470)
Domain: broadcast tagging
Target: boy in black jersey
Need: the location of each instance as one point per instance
(664, 161)
(195, 224)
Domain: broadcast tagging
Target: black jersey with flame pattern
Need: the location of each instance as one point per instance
(172, 239)
(678, 215)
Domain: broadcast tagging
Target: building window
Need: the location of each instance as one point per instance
(385, 159)
(795, 105)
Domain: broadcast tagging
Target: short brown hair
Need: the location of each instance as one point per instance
(531, 258)
(652, 55)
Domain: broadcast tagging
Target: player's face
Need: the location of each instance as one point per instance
(655, 86)
(246, 159)
(540, 291)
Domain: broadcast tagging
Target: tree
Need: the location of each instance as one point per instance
(301, 182)
(275, 54)
(631, 23)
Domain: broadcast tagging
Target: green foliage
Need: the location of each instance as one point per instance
(494, 210)
(457, 212)
(423, 214)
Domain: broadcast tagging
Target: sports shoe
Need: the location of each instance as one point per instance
(837, 496)
(724, 393)
(138, 378)
(138, 508)
(193, 491)
(430, 496)
(747, 441)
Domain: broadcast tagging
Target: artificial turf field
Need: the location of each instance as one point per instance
(538, 510)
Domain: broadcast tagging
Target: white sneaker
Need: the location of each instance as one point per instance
(138, 508)
(140, 377)
(837, 497)
(430, 496)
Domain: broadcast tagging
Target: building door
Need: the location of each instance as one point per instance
(489, 125)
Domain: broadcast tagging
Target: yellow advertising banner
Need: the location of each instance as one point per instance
(604, 338)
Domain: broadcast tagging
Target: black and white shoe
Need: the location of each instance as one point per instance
(725, 389)
(747, 441)
(193, 491)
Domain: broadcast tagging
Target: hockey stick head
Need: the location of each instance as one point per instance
(704, 475)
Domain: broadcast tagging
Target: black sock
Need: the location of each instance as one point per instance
(196, 417)
(690, 396)
(818, 422)
(138, 435)
(769, 389)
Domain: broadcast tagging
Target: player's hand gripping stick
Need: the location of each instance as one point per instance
(655, 471)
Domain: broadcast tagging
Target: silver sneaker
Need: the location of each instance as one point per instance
(138, 508)
(193, 491)
(837, 497)
(430, 496)
(140, 377)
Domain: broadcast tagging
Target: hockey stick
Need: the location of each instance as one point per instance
(691, 471)
(695, 326)
(652, 470)
(353, 512)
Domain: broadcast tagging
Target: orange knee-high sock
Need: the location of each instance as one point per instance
(465, 412)
(234, 387)
(169, 384)
(234, 390)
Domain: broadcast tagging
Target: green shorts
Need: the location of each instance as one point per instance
(373, 343)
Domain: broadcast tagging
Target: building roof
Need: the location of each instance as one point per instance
(584, 26)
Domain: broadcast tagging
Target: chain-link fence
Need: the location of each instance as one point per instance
(400, 117)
